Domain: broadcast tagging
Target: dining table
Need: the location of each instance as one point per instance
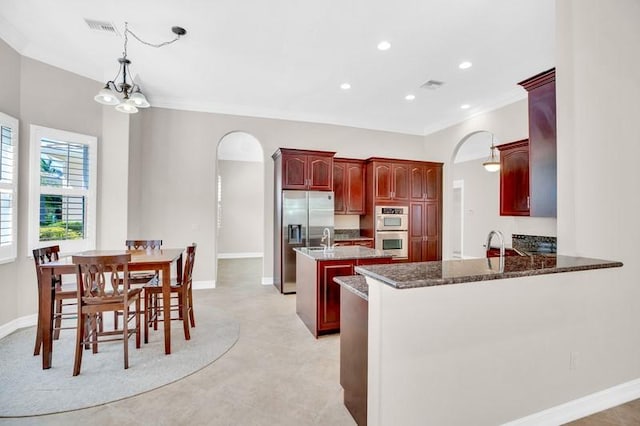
(141, 260)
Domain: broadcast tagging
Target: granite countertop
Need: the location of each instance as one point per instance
(341, 253)
(425, 274)
(356, 284)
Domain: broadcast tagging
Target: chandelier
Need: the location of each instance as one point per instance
(132, 97)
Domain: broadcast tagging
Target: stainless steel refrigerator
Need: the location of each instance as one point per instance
(304, 216)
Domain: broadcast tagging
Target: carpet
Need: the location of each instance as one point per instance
(28, 390)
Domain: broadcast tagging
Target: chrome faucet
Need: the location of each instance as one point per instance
(501, 238)
(326, 236)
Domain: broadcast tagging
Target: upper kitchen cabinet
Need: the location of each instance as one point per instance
(542, 143)
(305, 170)
(348, 186)
(514, 178)
(426, 182)
(389, 180)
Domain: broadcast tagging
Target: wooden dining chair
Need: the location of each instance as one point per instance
(64, 298)
(103, 285)
(143, 277)
(140, 278)
(181, 300)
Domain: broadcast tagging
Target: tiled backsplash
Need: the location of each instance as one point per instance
(347, 233)
(534, 243)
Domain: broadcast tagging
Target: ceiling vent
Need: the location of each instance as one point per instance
(432, 85)
(102, 26)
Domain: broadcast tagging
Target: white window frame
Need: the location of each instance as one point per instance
(10, 252)
(66, 246)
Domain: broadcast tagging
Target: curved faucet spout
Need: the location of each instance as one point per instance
(501, 238)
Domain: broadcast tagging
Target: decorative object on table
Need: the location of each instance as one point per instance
(70, 295)
(101, 289)
(132, 96)
(184, 297)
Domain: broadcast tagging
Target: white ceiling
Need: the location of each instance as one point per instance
(287, 58)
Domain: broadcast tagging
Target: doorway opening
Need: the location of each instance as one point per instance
(240, 202)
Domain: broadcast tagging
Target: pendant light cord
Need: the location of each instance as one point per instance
(128, 31)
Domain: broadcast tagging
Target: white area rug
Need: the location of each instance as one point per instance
(27, 390)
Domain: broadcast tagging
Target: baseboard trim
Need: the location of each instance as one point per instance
(18, 323)
(203, 285)
(267, 280)
(582, 407)
(238, 255)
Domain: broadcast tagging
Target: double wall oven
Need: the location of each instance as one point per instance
(392, 230)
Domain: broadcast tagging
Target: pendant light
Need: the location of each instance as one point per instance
(493, 162)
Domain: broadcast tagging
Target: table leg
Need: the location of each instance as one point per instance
(46, 298)
(166, 306)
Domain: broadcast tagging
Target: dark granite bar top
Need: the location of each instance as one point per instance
(356, 284)
(425, 274)
(341, 253)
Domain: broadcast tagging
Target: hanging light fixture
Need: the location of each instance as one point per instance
(132, 97)
(493, 162)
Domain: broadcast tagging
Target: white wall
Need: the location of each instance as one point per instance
(241, 225)
(509, 123)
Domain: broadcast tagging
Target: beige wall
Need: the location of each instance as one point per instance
(509, 123)
(482, 211)
(178, 164)
(50, 97)
(242, 223)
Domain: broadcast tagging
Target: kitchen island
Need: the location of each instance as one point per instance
(502, 342)
(317, 295)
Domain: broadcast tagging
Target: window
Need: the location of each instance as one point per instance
(8, 188)
(62, 207)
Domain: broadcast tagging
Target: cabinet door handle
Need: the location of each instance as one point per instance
(528, 206)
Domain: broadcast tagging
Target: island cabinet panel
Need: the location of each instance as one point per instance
(354, 353)
(390, 181)
(305, 170)
(514, 178)
(348, 186)
(329, 293)
(318, 296)
(541, 90)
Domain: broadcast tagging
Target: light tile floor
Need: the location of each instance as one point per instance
(276, 374)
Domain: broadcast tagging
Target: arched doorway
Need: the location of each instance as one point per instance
(240, 203)
(475, 195)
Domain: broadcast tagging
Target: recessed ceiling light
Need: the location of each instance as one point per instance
(464, 65)
(465, 106)
(384, 45)
(345, 86)
(410, 97)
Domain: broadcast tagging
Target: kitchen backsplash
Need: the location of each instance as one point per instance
(534, 243)
(347, 233)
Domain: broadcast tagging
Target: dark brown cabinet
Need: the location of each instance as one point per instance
(389, 180)
(305, 170)
(425, 223)
(348, 186)
(542, 144)
(514, 178)
(426, 181)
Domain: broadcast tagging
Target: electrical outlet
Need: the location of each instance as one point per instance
(573, 360)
